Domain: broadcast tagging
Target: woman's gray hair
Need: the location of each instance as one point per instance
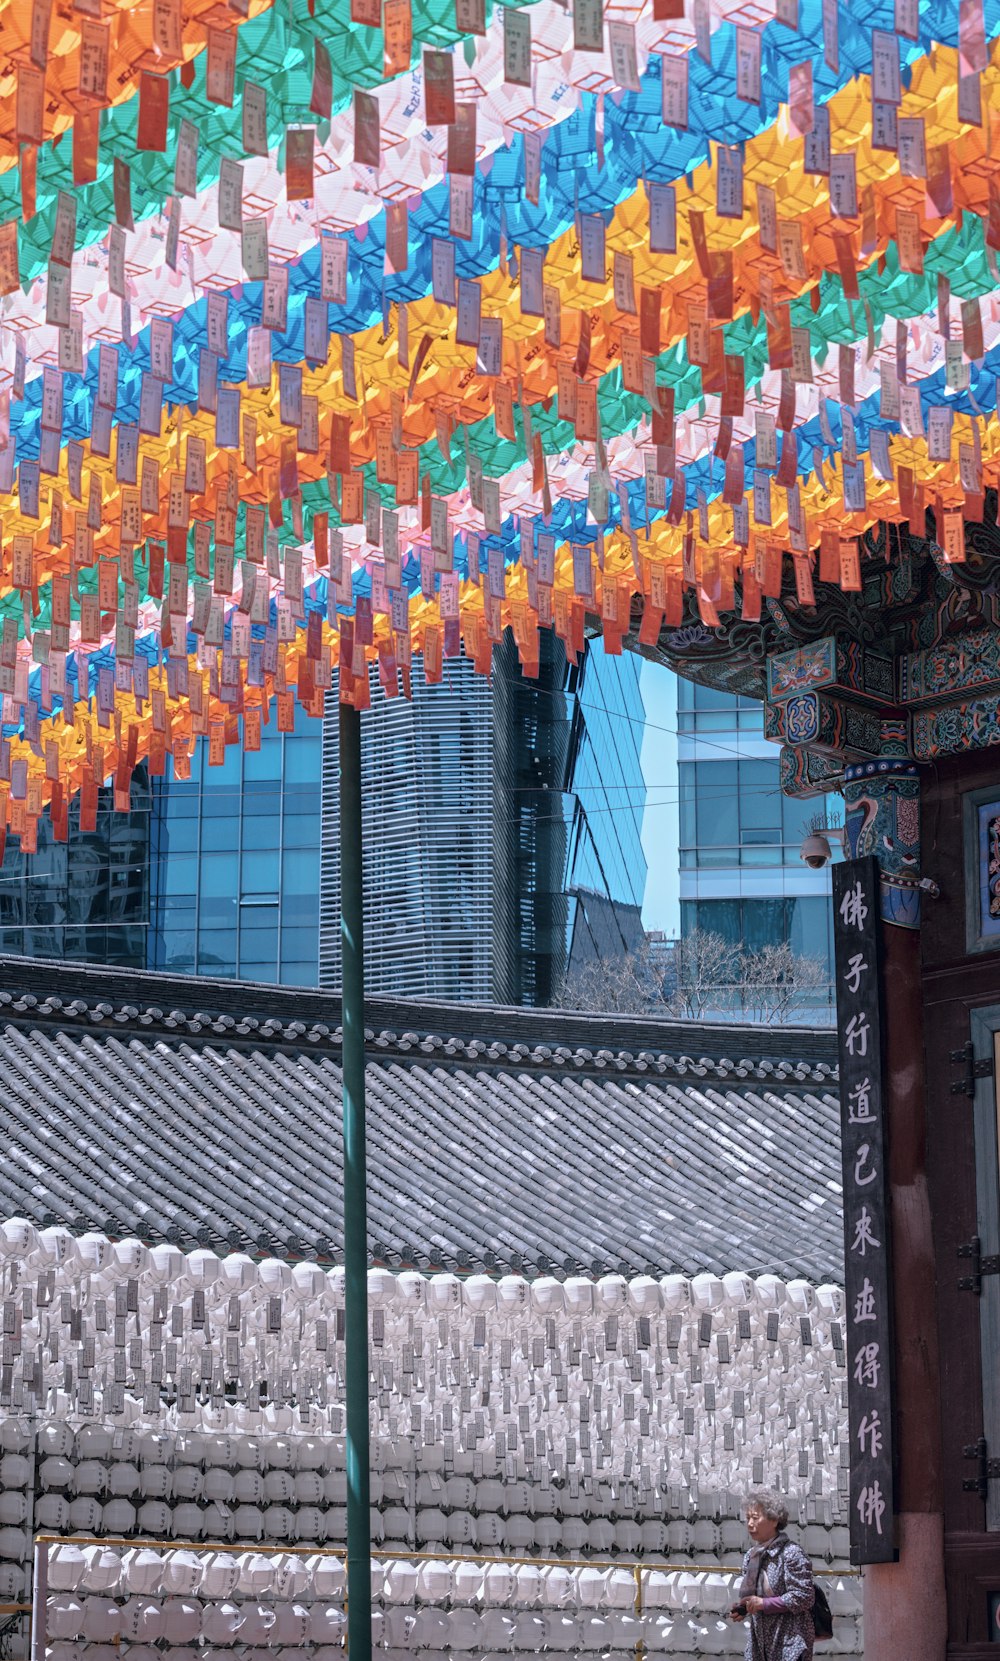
(769, 1503)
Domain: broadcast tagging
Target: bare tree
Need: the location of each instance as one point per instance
(632, 984)
(697, 978)
(775, 984)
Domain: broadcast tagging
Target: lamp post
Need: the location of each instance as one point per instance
(359, 1593)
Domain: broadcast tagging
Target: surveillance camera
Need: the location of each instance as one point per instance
(816, 850)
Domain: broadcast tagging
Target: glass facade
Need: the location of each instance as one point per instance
(235, 857)
(88, 897)
(532, 821)
(607, 863)
(502, 822)
(426, 777)
(741, 875)
(606, 854)
(570, 800)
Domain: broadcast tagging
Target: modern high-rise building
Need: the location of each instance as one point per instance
(88, 897)
(501, 827)
(502, 823)
(741, 875)
(568, 803)
(235, 861)
(427, 805)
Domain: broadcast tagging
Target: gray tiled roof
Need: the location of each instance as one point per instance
(203, 1111)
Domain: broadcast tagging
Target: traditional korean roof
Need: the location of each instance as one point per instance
(203, 1111)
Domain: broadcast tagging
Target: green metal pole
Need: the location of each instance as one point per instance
(359, 1590)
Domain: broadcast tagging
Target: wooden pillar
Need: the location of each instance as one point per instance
(904, 1602)
(905, 1608)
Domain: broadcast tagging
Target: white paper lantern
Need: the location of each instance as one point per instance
(221, 1622)
(13, 1506)
(479, 1294)
(64, 1615)
(444, 1294)
(142, 1620)
(310, 1525)
(676, 1293)
(123, 1479)
(291, 1627)
(15, 1471)
(15, 1435)
(66, 1567)
(547, 1295)
(279, 1523)
(291, 1576)
(181, 1621)
(256, 1574)
(220, 1575)
(18, 1238)
(329, 1576)
(499, 1584)
(57, 1248)
(219, 1484)
(578, 1295)
(496, 1629)
(595, 1631)
(12, 1583)
(707, 1293)
(548, 1534)
(589, 1588)
(279, 1452)
(56, 1472)
(513, 1295)
(558, 1587)
(154, 1518)
(258, 1624)
(492, 1530)
(279, 1487)
(308, 1282)
(770, 1291)
(620, 1589)
(189, 1483)
(464, 1631)
(90, 1476)
(181, 1574)
(52, 1514)
(644, 1295)
(611, 1294)
(186, 1522)
(431, 1629)
(101, 1619)
(102, 1568)
(248, 1522)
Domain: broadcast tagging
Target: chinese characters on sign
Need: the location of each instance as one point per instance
(868, 1283)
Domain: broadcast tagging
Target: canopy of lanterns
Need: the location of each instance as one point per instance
(341, 333)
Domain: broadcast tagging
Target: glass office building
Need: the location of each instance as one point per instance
(741, 875)
(426, 779)
(502, 826)
(607, 864)
(88, 897)
(235, 861)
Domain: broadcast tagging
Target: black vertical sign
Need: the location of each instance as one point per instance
(868, 1283)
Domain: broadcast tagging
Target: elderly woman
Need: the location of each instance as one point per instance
(777, 1587)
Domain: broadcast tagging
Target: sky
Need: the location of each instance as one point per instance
(661, 909)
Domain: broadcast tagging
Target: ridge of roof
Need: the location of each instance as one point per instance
(483, 1035)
